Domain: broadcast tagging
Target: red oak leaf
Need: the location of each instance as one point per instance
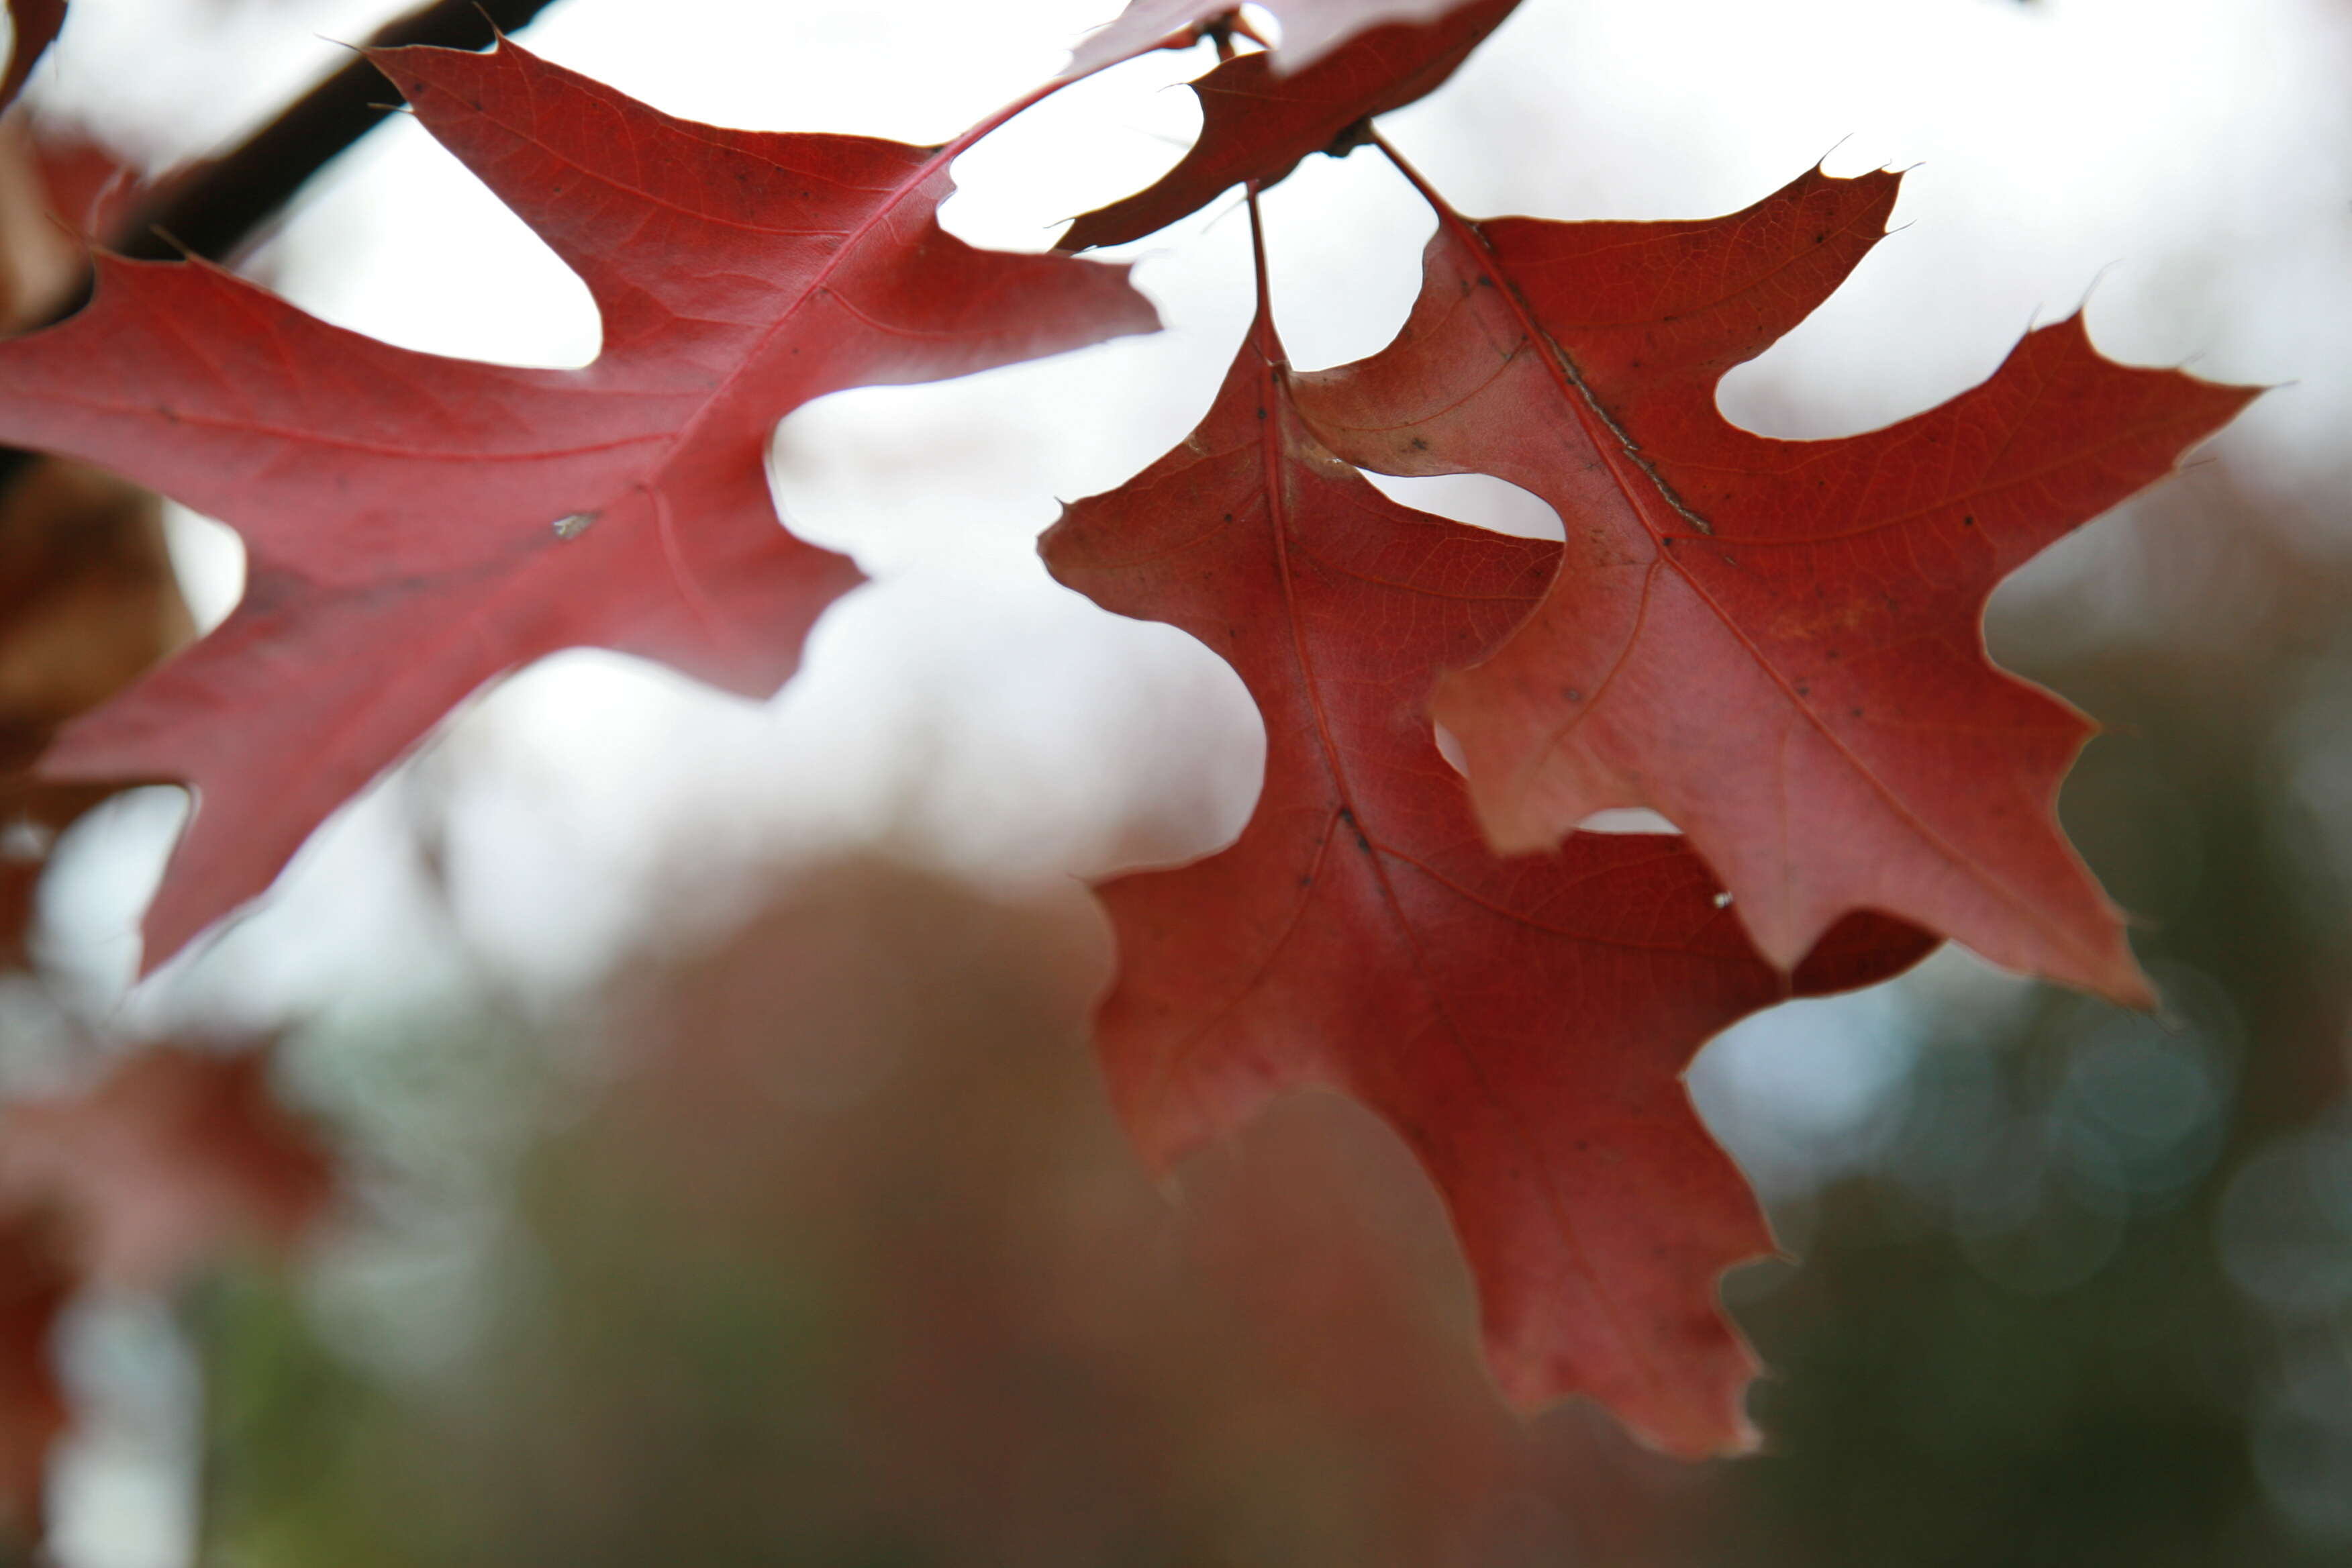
(1257, 124)
(1522, 1023)
(1776, 643)
(1310, 28)
(418, 525)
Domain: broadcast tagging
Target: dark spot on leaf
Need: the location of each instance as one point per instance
(1572, 693)
(1347, 818)
(1967, 522)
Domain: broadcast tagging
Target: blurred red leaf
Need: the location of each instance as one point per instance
(176, 1154)
(1522, 1023)
(419, 525)
(88, 602)
(37, 24)
(1258, 122)
(1779, 645)
(35, 1285)
(88, 599)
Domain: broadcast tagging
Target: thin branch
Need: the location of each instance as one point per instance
(226, 204)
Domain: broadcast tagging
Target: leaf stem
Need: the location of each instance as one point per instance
(1413, 176)
(1564, 369)
(1262, 334)
(1262, 324)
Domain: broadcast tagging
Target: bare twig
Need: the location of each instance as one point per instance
(225, 204)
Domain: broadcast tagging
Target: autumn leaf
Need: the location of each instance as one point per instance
(418, 525)
(32, 817)
(1778, 645)
(1522, 1023)
(1259, 117)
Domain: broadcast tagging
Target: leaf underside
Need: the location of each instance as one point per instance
(1778, 645)
(1522, 1023)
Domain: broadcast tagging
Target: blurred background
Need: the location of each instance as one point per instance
(728, 1176)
